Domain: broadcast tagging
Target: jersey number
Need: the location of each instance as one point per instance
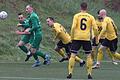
(82, 24)
(99, 28)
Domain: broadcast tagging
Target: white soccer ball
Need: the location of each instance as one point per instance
(3, 14)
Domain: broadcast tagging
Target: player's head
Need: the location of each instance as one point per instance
(103, 13)
(83, 6)
(21, 17)
(50, 21)
(29, 9)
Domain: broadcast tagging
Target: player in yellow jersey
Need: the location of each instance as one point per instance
(111, 38)
(99, 22)
(64, 40)
(82, 25)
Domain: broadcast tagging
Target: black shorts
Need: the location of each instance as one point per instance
(112, 45)
(61, 45)
(94, 42)
(77, 44)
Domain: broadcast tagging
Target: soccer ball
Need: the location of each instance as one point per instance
(3, 15)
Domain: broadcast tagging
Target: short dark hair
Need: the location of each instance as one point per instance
(83, 6)
(20, 13)
(51, 18)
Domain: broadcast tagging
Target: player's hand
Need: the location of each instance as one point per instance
(97, 39)
(18, 25)
(18, 32)
(27, 31)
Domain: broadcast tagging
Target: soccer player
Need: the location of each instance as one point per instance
(64, 40)
(82, 25)
(23, 23)
(99, 22)
(36, 30)
(111, 38)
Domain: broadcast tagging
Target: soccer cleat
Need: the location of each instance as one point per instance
(82, 64)
(47, 60)
(36, 64)
(89, 76)
(63, 59)
(69, 76)
(115, 62)
(28, 57)
(96, 66)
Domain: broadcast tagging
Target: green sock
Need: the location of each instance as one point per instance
(23, 48)
(35, 57)
(39, 53)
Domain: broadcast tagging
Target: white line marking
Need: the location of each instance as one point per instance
(28, 78)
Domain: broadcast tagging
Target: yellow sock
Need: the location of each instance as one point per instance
(61, 52)
(89, 64)
(78, 59)
(99, 55)
(116, 55)
(93, 54)
(71, 63)
(110, 54)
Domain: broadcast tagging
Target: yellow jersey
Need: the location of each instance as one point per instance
(100, 27)
(82, 25)
(110, 28)
(61, 33)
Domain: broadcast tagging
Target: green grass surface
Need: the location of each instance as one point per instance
(55, 71)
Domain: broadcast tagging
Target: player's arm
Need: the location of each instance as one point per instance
(104, 24)
(19, 32)
(25, 25)
(95, 29)
(73, 26)
(94, 25)
(34, 23)
(115, 27)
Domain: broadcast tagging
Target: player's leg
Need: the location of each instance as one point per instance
(26, 40)
(99, 57)
(80, 61)
(113, 48)
(75, 46)
(94, 52)
(59, 48)
(104, 44)
(77, 58)
(94, 49)
(37, 62)
(111, 56)
(87, 47)
(22, 42)
(35, 44)
(22, 46)
(116, 55)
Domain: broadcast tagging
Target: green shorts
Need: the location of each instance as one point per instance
(36, 41)
(25, 38)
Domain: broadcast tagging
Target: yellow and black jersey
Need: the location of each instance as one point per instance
(111, 29)
(61, 33)
(100, 27)
(82, 26)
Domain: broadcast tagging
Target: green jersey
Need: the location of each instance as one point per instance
(25, 24)
(34, 23)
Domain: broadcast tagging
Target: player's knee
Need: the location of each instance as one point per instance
(33, 51)
(72, 55)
